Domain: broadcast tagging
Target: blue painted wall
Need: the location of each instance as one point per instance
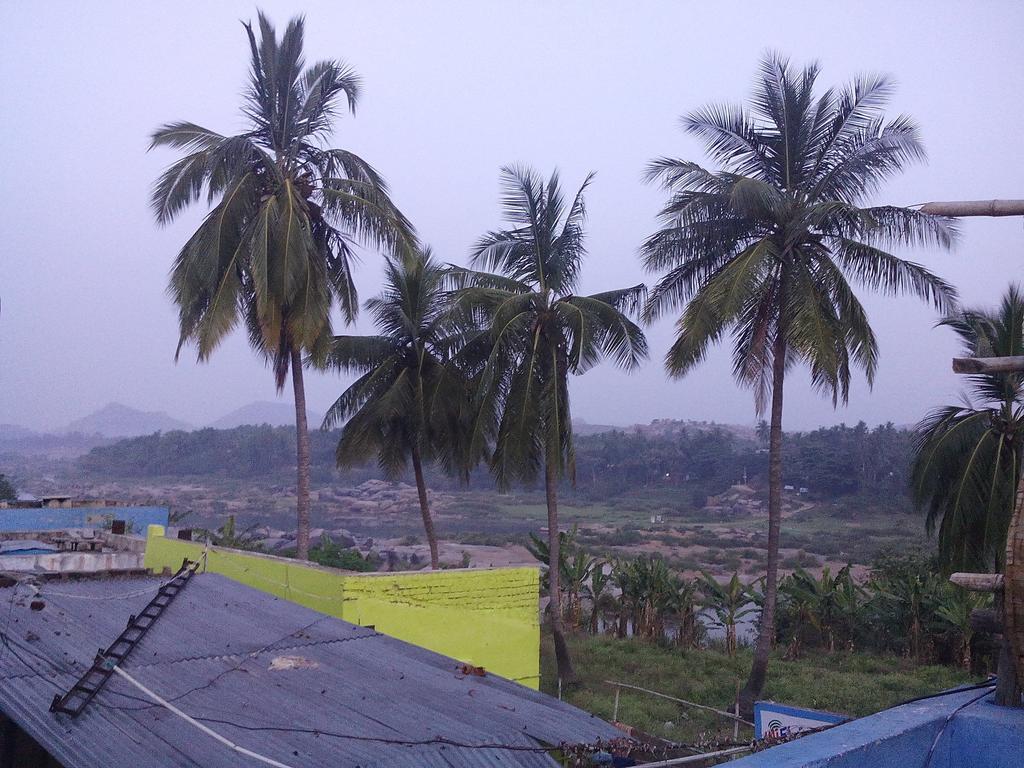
(57, 519)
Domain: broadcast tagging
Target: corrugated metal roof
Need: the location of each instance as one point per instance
(225, 651)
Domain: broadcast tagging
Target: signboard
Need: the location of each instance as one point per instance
(771, 719)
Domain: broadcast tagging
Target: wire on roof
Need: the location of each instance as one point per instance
(7, 621)
(945, 724)
(433, 741)
(245, 657)
(122, 596)
(436, 740)
(191, 721)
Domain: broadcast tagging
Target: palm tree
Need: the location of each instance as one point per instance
(542, 331)
(410, 402)
(273, 252)
(967, 457)
(764, 432)
(765, 249)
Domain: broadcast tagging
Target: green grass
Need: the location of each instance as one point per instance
(855, 684)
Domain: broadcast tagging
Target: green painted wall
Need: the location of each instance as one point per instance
(487, 617)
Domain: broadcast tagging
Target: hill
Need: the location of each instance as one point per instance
(117, 420)
(264, 412)
(583, 427)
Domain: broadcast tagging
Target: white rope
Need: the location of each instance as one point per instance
(191, 721)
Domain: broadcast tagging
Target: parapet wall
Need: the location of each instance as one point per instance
(13, 519)
(958, 729)
(487, 617)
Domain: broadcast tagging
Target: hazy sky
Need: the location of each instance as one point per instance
(451, 92)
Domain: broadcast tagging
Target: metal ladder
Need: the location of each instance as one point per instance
(81, 693)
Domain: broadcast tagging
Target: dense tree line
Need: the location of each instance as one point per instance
(695, 462)
(247, 451)
(829, 462)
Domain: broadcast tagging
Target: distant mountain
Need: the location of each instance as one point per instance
(667, 427)
(15, 439)
(10, 432)
(265, 412)
(117, 420)
(663, 428)
(583, 427)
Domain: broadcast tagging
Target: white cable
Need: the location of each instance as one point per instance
(191, 721)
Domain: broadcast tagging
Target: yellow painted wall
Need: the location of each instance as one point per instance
(487, 617)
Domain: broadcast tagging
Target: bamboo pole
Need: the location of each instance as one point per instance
(978, 582)
(719, 712)
(975, 208)
(695, 758)
(1013, 364)
(736, 711)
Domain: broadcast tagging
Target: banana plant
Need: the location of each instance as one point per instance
(598, 592)
(829, 604)
(574, 566)
(728, 604)
(954, 608)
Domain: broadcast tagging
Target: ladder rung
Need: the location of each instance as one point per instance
(101, 670)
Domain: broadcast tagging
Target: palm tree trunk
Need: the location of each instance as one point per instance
(428, 521)
(302, 456)
(766, 633)
(1011, 653)
(565, 671)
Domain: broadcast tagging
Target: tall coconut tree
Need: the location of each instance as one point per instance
(765, 249)
(967, 457)
(411, 402)
(274, 249)
(541, 331)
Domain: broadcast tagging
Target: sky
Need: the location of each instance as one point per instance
(453, 91)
